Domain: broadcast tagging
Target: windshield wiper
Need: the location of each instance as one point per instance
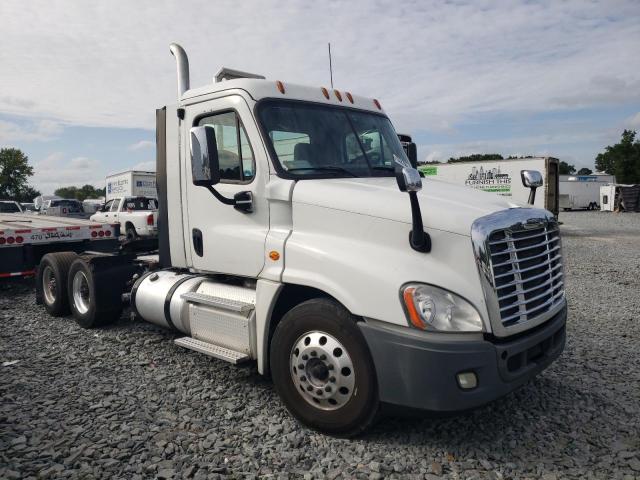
(326, 169)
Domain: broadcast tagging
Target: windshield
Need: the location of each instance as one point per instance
(72, 206)
(309, 140)
(140, 203)
(9, 207)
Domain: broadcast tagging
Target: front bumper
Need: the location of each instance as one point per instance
(418, 369)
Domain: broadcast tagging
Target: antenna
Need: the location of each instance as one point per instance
(330, 66)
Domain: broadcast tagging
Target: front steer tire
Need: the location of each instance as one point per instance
(87, 304)
(324, 320)
(51, 282)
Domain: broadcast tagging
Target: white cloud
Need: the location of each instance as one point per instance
(57, 170)
(149, 166)
(29, 131)
(634, 122)
(141, 145)
(430, 63)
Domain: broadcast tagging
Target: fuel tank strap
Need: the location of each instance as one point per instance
(167, 300)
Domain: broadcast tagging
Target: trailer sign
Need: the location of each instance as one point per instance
(490, 180)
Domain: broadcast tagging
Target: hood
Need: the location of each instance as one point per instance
(444, 206)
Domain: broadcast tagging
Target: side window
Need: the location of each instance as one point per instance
(107, 206)
(115, 205)
(235, 155)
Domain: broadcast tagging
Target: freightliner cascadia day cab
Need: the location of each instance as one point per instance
(295, 232)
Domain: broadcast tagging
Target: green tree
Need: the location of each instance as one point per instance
(80, 193)
(585, 171)
(476, 157)
(622, 159)
(566, 169)
(14, 174)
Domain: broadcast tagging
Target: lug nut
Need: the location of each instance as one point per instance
(327, 388)
(301, 366)
(305, 357)
(309, 388)
(303, 378)
(323, 357)
(319, 392)
(332, 379)
(313, 353)
(330, 367)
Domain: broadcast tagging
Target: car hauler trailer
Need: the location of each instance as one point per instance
(326, 262)
(582, 192)
(502, 177)
(25, 239)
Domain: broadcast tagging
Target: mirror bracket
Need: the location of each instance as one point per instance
(242, 201)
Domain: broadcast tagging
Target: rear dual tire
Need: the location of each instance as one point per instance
(51, 282)
(84, 299)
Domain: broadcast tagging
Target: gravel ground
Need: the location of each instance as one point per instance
(124, 402)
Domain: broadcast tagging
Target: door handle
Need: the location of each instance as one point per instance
(196, 235)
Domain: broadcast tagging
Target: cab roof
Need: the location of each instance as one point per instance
(259, 89)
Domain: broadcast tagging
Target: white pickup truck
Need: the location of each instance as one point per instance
(137, 216)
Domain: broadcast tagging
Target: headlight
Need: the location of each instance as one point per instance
(432, 308)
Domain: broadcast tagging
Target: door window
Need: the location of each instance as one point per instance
(235, 155)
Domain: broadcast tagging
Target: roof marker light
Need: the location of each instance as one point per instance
(349, 97)
(338, 95)
(377, 104)
(325, 92)
(280, 86)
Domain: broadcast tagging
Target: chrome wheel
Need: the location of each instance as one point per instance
(81, 292)
(49, 285)
(322, 370)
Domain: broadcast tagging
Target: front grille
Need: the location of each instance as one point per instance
(527, 270)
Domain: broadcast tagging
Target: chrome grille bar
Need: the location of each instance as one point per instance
(519, 257)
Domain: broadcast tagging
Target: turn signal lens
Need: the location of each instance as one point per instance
(409, 302)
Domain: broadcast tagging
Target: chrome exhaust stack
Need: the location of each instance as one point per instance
(182, 63)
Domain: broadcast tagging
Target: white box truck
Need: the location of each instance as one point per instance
(502, 177)
(331, 263)
(582, 192)
(132, 183)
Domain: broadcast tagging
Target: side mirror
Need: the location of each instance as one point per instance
(409, 181)
(531, 179)
(205, 168)
(408, 178)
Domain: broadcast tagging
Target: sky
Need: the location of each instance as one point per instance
(80, 81)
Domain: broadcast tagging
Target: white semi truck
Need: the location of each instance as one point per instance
(325, 261)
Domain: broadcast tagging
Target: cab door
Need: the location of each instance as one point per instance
(222, 238)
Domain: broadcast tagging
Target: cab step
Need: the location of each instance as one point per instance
(228, 304)
(216, 351)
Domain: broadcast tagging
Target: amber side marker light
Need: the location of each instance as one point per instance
(349, 97)
(325, 92)
(414, 317)
(273, 255)
(280, 86)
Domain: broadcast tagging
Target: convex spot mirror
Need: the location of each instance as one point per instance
(205, 168)
(531, 178)
(408, 178)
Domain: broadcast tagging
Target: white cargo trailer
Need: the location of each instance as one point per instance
(132, 183)
(502, 177)
(582, 191)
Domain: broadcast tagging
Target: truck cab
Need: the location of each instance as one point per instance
(294, 232)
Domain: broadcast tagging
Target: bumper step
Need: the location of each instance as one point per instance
(216, 351)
